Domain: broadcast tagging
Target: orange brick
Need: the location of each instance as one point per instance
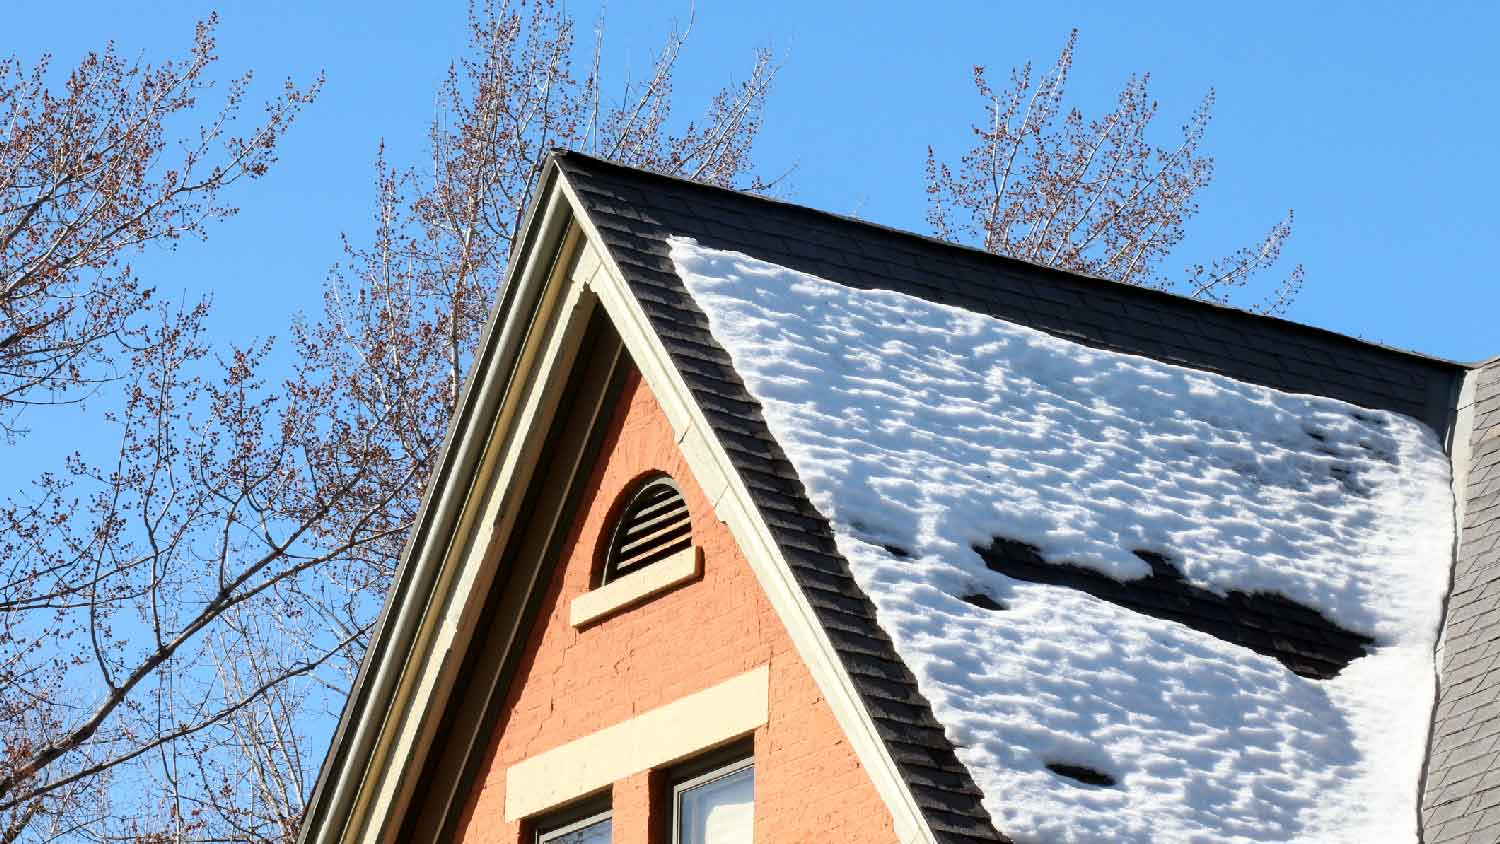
(809, 785)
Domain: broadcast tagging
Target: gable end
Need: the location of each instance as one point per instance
(943, 790)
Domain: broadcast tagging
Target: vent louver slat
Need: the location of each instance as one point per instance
(652, 527)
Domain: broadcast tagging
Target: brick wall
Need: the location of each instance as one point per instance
(809, 785)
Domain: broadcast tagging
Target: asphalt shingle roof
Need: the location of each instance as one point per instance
(635, 212)
(639, 209)
(630, 210)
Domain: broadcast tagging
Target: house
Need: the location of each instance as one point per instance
(762, 524)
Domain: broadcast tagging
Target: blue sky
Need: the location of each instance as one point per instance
(1375, 122)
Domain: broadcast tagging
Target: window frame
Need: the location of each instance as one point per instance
(703, 770)
(555, 824)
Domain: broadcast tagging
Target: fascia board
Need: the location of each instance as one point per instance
(715, 474)
(1460, 456)
(341, 800)
(463, 580)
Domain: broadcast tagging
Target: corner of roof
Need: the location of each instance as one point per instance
(583, 160)
(553, 156)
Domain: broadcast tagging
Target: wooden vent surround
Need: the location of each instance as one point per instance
(652, 526)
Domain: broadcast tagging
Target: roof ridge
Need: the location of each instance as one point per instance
(562, 155)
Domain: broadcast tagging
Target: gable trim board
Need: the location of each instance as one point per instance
(1460, 450)
(507, 614)
(733, 505)
(354, 746)
(418, 675)
(593, 249)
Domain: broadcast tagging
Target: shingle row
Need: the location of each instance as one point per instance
(1099, 313)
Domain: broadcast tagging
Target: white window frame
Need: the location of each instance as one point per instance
(702, 772)
(555, 825)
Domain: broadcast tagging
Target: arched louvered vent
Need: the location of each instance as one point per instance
(654, 525)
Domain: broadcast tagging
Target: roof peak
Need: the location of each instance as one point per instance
(637, 212)
(1001, 261)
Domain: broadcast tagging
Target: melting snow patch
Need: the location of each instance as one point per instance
(923, 431)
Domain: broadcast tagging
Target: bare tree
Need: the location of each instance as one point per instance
(180, 619)
(88, 175)
(443, 232)
(122, 579)
(1090, 196)
(179, 622)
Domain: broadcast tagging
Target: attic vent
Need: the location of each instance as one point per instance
(652, 526)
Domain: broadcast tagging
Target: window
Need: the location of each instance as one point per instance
(587, 825)
(715, 807)
(652, 526)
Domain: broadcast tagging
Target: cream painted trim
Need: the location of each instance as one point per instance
(511, 439)
(509, 459)
(343, 798)
(661, 736)
(723, 486)
(390, 740)
(633, 588)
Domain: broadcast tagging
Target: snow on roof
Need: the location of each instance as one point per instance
(923, 432)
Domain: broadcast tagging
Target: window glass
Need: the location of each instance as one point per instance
(593, 830)
(717, 809)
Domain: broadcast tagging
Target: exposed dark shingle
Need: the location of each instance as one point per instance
(1300, 638)
(1249, 347)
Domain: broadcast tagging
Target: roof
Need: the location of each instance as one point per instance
(637, 213)
(630, 210)
(1462, 788)
(637, 210)
(636, 216)
(1217, 596)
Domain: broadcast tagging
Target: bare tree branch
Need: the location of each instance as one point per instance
(1123, 202)
(89, 174)
(187, 612)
